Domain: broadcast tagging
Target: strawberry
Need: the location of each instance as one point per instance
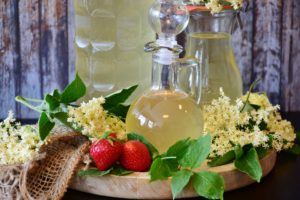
(106, 152)
(135, 156)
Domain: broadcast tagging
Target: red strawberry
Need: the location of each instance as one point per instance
(105, 153)
(135, 156)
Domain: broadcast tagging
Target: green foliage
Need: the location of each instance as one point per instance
(222, 160)
(249, 164)
(209, 184)
(45, 125)
(54, 106)
(196, 153)
(114, 103)
(179, 180)
(178, 162)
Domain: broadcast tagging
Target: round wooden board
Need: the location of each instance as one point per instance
(138, 186)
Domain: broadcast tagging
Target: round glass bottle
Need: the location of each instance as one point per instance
(165, 114)
(209, 41)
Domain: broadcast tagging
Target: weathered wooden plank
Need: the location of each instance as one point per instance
(291, 56)
(9, 58)
(71, 38)
(54, 44)
(242, 42)
(267, 46)
(29, 53)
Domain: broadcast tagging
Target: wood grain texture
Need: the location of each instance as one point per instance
(138, 185)
(9, 57)
(37, 52)
(29, 53)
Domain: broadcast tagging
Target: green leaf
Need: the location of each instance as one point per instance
(119, 110)
(152, 149)
(45, 126)
(63, 118)
(179, 180)
(179, 148)
(117, 98)
(26, 103)
(93, 172)
(52, 102)
(222, 160)
(197, 152)
(75, 90)
(208, 184)
(162, 169)
(249, 164)
(238, 151)
(294, 150)
(56, 94)
(120, 171)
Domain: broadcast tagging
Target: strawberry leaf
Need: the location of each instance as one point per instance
(162, 169)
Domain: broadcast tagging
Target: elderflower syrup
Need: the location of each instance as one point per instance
(165, 114)
(164, 117)
(208, 40)
(214, 52)
(110, 35)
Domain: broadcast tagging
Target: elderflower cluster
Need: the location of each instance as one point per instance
(94, 120)
(18, 144)
(216, 6)
(235, 124)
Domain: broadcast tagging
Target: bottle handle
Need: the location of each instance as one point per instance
(189, 78)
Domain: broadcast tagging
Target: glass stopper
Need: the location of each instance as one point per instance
(168, 18)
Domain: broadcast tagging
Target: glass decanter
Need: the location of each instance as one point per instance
(209, 41)
(165, 114)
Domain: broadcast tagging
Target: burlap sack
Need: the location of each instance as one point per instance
(48, 176)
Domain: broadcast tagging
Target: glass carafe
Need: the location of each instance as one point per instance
(209, 41)
(109, 41)
(165, 113)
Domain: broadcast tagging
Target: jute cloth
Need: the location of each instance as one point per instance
(48, 176)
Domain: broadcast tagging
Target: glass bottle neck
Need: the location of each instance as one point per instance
(164, 75)
(204, 21)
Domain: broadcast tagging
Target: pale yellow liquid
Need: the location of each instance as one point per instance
(110, 36)
(219, 68)
(164, 117)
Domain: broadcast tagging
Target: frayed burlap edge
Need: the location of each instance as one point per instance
(49, 175)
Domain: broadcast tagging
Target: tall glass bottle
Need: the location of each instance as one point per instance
(165, 114)
(110, 35)
(209, 41)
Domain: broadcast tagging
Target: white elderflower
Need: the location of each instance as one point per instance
(18, 144)
(94, 120)
(230, 126)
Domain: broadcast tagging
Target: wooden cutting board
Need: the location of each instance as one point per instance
(138, 186)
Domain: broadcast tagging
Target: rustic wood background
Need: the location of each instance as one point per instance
(37, 55)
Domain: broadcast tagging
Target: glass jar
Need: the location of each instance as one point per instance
(109, 41)
(209, 41)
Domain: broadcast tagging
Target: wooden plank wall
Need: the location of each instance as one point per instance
(37, 55)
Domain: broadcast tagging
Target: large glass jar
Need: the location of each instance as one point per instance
(209, 41)
(109, 41)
